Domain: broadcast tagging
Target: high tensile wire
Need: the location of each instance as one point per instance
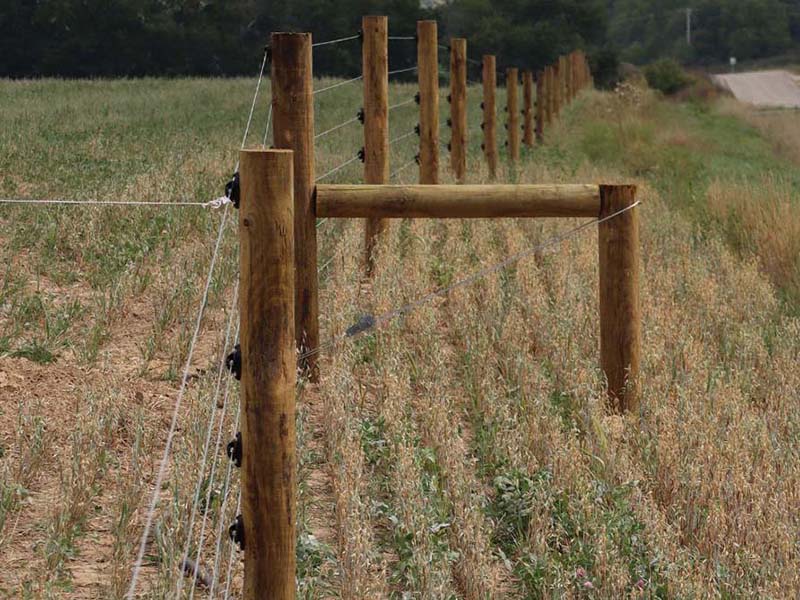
(369, 322)
(130, 594)
(212, 403)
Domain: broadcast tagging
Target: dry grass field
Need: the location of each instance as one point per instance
(463, 451)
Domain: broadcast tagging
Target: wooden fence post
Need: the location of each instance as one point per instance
(428, 73)
(527, 83)
(269, 367)
(550, 96)
(620, 316)
(570, 88)
(375, 67)
(540, 106)
(576, 86)
(489, 125)
(458, 108)
(512, 106)
(293, 129)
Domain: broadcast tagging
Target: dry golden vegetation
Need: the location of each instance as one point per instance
(462, 451)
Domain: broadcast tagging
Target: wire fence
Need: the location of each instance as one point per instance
(221, 402)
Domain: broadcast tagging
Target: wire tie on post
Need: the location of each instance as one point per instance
(361, 115)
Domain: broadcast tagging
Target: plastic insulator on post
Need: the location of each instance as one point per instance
(234, 449)
(234, 362)
(482, 106)
(268, 52)
(417, 98)
(362, 155)
(236, 532)
(417, 159)
(416, 129)
(449, 147)
(449, 98)
(450, 123)
(233, 190)
(361, 115)
(483, 146)
(483, 126)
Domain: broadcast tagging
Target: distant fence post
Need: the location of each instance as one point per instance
(375, 67)
(489, 125)
(269, 368)
(428, 73)
(458, 108)
(540, 106)
(512, 106)
(527, 87)
(550, 96)
(558, 88)
(293, 129)
(620, 316)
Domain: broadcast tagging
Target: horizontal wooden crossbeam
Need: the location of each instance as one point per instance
(457, 201)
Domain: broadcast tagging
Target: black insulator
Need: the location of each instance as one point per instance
(234, 449)
(362, 155)
(232, 189)
(234, 362)
(236, 532)
(361, 115)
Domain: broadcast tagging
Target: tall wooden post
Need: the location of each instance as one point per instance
(557, 89)
(428, 73)
(576, 86)
(458, 108)
(527, 85)
(620, 316)
(266, 302)
(512, 99)
(489, 78)
(540, 105)
(293, 129)
(550, 96)
(568, 76)
(375, 57)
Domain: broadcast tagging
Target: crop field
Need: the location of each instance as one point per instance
(464, 451)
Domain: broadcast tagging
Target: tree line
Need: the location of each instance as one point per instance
(133, 38)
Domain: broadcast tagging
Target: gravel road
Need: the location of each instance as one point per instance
(763, 88)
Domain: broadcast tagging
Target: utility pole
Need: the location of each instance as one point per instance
(688, 26)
